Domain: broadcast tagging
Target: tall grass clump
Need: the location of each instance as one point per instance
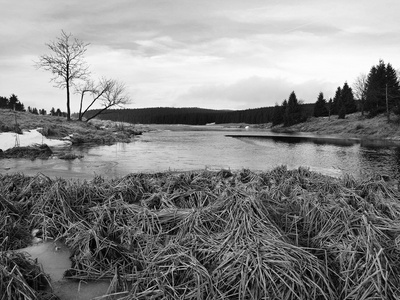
(281, 234)
(22, 278)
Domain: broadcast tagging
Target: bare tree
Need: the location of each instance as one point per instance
(87, 87)
(360, 89)
(66, 63)
(109, 93)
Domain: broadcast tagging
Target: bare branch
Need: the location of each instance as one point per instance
(112, 93)
(360, 89)
(360, 86)
(65, 62)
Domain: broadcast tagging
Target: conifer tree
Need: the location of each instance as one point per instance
(348, 99)
(392, 89)
(336, 101)
(330, 106)
(278, 112)
(320, 109)
(15, 104)
(3, 102)
(292, 112)
(375, 101)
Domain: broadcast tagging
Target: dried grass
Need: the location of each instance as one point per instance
(282, 234)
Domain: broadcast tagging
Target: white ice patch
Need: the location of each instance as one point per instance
(28, 138)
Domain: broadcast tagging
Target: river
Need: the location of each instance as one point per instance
(199, 148)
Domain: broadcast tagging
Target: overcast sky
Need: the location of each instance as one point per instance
(222, 54)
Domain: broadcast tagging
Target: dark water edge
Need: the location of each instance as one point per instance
(322, 140)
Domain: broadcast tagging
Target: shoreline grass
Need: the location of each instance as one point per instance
(280, 234)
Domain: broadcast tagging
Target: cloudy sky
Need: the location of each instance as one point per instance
(222, 54)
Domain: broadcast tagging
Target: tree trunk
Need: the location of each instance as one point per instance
(80, 107)
(387, 104)
(362, 105)
(68, 105)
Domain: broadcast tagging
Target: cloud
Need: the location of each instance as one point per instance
(254, 92)
(221, 54)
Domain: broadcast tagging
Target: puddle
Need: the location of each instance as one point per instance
(55, 260)
(75, 290)
(53, 256)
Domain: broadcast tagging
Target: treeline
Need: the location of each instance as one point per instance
(382, 90)
(378, 92)
(53, 112)
(13, 103)
(343, 103)
(193, 116)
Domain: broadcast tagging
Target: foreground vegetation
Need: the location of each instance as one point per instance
(282, 234)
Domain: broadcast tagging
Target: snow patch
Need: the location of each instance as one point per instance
(28, 138)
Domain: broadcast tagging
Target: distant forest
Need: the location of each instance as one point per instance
(194, 116)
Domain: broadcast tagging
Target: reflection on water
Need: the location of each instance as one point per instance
(193, 150)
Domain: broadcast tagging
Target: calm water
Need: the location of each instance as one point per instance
(194, 150)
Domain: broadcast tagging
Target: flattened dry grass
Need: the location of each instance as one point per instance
(282, 234)
(22, 278)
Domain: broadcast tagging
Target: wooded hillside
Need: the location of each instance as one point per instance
(193, 115)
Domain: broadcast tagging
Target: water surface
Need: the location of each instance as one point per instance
(194, 149)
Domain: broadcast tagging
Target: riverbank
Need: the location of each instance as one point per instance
(281, 234)
(354, 125)
(23, 129)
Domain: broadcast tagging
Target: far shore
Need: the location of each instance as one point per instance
(353, 126)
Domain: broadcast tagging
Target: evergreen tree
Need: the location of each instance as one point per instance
(320, 109)
(336, 101)
(278, 112)
(343, 97)
(375, 101)
(348, 99)
(292, 112)
(3, 102)
(342, 110)
(52, 111)
(14, 103)
(393, 89)
(330, 106)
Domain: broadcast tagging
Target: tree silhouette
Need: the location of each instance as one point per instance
(66, 63)
(108, 92)
(360, 90)
(292, 112)
(348, 99)
(320, 109)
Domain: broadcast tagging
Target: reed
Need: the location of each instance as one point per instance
(21, 278)
(281, 234)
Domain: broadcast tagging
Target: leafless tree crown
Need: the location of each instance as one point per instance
(66, 61)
